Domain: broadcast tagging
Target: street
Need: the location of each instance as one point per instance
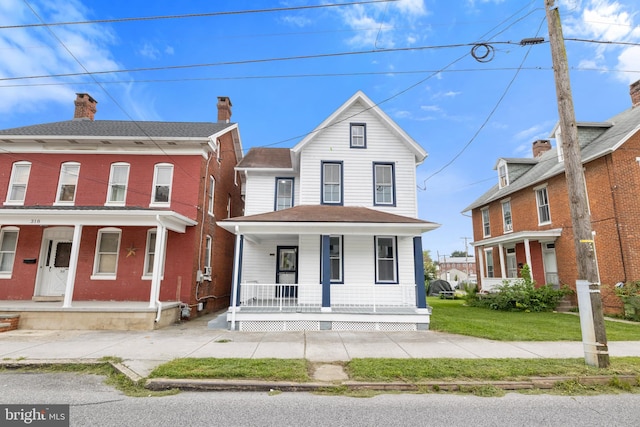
(96, 404)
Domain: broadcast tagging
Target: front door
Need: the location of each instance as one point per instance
(287, 272)
(550, 264)
(55, 258)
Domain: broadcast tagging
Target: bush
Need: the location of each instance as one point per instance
(521, 295)
(629, 293)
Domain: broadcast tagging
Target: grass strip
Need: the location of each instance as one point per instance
(260, 369)
(417, 370)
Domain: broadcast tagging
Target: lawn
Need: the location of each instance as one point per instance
(454, 317)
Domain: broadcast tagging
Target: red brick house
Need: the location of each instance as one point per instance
(525, 218)
(111, 224)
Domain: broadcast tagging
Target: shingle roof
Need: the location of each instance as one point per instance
(260, 157)
(110, 128)
(623, 124)
(323, 213)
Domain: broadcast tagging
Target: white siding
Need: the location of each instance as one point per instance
(261, 191)
(333, 144)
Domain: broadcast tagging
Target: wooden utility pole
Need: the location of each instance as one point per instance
(578, 205)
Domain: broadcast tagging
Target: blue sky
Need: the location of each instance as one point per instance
(293, 68)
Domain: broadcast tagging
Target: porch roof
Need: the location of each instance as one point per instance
(93, 216)
(314, 219)
(520, 236)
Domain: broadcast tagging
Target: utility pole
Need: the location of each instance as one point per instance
(466, 255)
(596, 352)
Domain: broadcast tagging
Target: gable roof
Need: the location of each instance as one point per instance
(616, 132)
(117, 128)
(359, 97)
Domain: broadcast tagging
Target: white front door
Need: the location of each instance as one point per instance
(55, 258)
(550, 264)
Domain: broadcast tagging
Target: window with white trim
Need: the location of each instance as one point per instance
(8, 245)
(118, 181)
(229, 206)
(358, 135)
(386, 260)
(18, 183)
(542, 200)
(503, 174)
(507, 220)
(162, 179)
(335, 259)
(488, 253)
(207, 256)
(332, 183)
(486, 225)
(69, 173)
(107, 248)
(384, 184)
(150, 254)
(284, 193)
(512, 265)
(211, 194)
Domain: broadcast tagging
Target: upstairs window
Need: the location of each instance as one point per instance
(542, 200)
(486, 225)
(506, 216)
(118, 180)
(212, 187)
(18, 183)
(503, 175)
(358, 135)
(162, 179)
(331, 183)
(8, 245)
(384, 184)
(284, 193)
(69, 173)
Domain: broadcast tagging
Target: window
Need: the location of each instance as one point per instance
(384, 184)
(386, 266)
(118, 179)
(8, 244)
(335, 258)
(489, 256)
(212, 187)
(358, 135)
(18, 183)
(512, 266)
(162, 184)
(229, 206)
(506, 216)
(503, 175)
(207, 256)
(150, 253)
(542, 199)
(107, 252)
(332, 183)
(284, 193)
(486, 225)
(68, 181)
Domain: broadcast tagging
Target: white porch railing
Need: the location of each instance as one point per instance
(285, 297)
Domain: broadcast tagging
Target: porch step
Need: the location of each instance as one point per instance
(56, 298)
(9, 322)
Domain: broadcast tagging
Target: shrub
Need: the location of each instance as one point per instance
(629, 293)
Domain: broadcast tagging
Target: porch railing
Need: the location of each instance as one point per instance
(280, 297)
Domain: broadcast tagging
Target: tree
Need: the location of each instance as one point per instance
(430, 268)
(462, 254)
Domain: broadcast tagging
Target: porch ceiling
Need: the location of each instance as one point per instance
(543, 235)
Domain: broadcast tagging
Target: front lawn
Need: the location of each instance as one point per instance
(454, 317)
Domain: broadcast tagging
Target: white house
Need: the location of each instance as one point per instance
(331, 237)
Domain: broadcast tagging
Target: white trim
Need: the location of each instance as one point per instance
(64, 173)
(12, 182)
(111, 183)
(156, 168)
(95, 275)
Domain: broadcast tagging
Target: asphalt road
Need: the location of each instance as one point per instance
(95, 404)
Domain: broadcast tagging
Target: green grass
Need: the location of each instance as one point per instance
(262, 369)
(454, 317)
(419, 370)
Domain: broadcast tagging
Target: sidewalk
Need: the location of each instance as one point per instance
(142, 351)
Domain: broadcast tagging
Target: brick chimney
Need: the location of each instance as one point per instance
(540, 147)
(224, 109)
(634, 90)
(85, 107)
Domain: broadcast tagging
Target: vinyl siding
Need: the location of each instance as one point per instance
(260, 192)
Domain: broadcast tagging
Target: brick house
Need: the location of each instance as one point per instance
(111, 224)
(525, 218)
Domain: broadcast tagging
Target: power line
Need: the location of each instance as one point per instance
(194, 15)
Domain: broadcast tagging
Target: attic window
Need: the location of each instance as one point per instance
(358, 135)
(503, 175)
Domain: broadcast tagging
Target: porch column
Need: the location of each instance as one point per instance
(503, 271)
(158, 262)
(527, 253)
(237, 269)
(480, 259)
(326, 274)
(418, 261)
(73, 266)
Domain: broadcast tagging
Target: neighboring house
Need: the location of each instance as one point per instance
(331, 238)
(457, 269)
(111, 224)
(525, 218)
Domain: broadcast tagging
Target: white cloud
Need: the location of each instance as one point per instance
(296, 21)
(430, 108)
(149, 51)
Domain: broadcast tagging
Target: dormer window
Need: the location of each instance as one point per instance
(358, 135)
(503, 174)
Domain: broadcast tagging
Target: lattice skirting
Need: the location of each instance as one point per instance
(307, 325)
(373, 326)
